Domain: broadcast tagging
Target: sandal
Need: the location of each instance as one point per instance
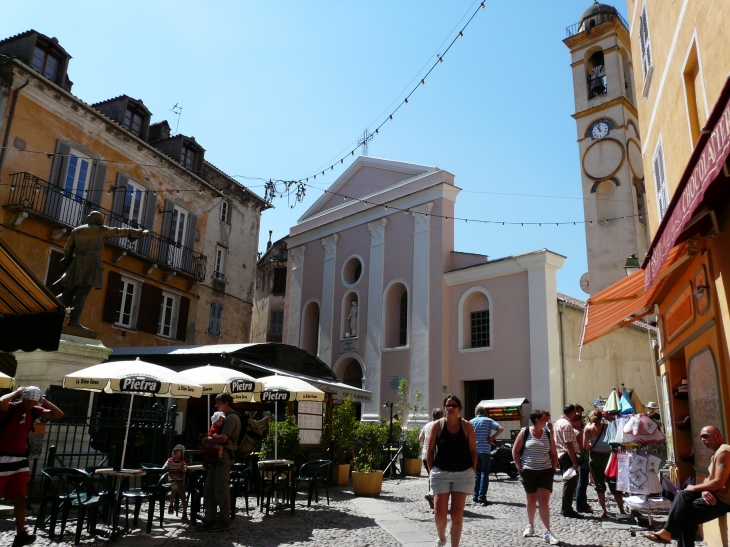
(654, 537)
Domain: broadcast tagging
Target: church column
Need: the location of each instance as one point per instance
(326, 320)
(371, 411)
(420, 348)
(295, 295)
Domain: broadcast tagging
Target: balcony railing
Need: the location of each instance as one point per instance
(597, 19)
(38, 197)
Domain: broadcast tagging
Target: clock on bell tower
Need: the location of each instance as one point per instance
(609, 145)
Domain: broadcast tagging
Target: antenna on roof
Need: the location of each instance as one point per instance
(177, 110)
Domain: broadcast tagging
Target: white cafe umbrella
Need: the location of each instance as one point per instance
(285, 388)
(6, 382)
(218, 379)
(133, 378)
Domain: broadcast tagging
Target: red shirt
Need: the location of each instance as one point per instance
(15, 434)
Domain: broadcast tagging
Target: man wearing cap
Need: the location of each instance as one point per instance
(16, 422)
(82, 260)
(651, 411)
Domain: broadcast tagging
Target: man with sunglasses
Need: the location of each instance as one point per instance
(699, 503)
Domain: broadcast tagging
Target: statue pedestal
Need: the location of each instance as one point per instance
(45, 368)
(80, 333)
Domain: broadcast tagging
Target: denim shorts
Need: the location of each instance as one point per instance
(443, 482)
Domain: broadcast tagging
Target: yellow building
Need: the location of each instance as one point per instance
(680, 70)
(189, 281)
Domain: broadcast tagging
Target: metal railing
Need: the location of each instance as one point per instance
(597, 19)
(37, 196)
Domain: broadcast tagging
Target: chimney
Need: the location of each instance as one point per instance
(268, 245)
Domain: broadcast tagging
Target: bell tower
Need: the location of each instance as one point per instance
(612, 175)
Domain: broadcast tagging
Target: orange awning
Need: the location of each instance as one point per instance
(626, 301)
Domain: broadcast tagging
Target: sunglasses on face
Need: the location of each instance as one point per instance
(706, 436)
(451, 406)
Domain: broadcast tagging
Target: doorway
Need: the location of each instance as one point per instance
(474, 392)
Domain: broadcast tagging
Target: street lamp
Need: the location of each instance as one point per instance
(632, 265)
(390, 433)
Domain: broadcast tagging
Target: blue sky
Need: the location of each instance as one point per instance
(281, 89)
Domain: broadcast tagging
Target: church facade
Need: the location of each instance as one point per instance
(377, 291)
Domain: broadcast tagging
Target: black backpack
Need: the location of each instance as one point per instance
(250, 436)
(526, 435)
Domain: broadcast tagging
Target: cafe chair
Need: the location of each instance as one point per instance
(315, 473)
(239, 484)
(154, 489)
(194, 492)
(53, 491)
(85, 494)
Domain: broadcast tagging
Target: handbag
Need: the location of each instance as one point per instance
(611, 471)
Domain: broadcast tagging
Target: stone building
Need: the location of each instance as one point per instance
(268, 312)
(191, 280)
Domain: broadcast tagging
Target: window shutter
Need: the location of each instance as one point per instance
(60, 163)
(190, 242)
(119, 194)
(219, 322)
(149, 308)
(660, 180)
(211, 317)
(150, 210)
(96, 189)
(113, 298)
(644, 42)
(182, 319)
(55, 271)
(167, 218)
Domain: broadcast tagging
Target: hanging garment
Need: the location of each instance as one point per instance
(648, 426)
(638, 463)
(611, 433)
(620, 424)
(611, 471)
(632, 425)
(623, 482)
(612, 405)
(654, 485)
(625, 404)
(653, 464)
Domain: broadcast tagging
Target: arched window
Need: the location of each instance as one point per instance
(475, 320)
(605, 202)
(404, 319)
(596, 75)
(310, 328)
(395, 316)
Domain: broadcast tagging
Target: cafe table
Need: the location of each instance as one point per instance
(118, 475)
(196, 484)
(273, 468)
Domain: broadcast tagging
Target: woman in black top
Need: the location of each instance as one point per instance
(452, 458)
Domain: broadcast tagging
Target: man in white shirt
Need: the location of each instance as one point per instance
(567, 446)
(437, 414)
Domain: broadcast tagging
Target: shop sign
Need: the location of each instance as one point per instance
(706, 169)
(680, 314)
(349, 346)
(702, 292)
(504, 413)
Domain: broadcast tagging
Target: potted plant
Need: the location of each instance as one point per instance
(367, 478)
(412, 452)
(344, 427)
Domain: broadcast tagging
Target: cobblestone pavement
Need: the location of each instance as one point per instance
(341, 524)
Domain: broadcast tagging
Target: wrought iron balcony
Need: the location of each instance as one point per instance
(597, 19)
(37, 197)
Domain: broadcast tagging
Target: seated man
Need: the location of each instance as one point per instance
(699, 503)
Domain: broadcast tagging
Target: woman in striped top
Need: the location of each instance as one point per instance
(536, 459)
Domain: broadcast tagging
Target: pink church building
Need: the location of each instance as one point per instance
(377, 291)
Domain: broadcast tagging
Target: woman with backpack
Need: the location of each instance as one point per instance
(452, 459)
(536, 458)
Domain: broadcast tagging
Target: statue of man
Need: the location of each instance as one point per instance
(353, 319)
(84, 270)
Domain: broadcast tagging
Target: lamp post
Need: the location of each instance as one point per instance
(632, 265)
(390, 432)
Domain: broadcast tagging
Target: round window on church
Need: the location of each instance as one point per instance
(352, 271)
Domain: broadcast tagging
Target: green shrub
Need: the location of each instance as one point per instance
(371, 437)
(288, 446)
(412, 444)
(344, 428)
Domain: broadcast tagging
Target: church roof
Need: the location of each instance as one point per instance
(597, 9)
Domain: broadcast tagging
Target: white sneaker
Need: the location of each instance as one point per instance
(548, 537)
(439, 543)
(529, 531)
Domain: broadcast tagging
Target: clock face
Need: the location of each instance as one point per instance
(600, 130)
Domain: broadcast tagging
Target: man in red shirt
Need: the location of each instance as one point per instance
(16, 420)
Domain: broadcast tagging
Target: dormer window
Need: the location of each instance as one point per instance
(133, 122)
(188, 158)
(45, 63)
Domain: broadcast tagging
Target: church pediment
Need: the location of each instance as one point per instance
(365, 177)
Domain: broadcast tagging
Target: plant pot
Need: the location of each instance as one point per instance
(367, 484)
(413, 467)
(341, 474)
